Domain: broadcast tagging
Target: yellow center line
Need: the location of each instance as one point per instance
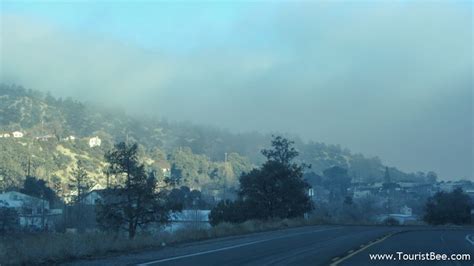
(360, 250)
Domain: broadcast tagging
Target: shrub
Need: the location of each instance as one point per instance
(52, 248)
(228, 211)
(49, 248)
(444, 208)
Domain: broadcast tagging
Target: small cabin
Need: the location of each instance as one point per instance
(95, 142)
(17, 134)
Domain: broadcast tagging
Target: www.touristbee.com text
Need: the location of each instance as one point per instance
(428, 256)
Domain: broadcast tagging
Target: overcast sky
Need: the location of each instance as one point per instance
(386, 78)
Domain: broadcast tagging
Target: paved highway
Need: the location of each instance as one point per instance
(318, 245)
(417, 244)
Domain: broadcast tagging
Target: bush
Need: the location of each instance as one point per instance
(448, 208)
(52, 248)
(228, 211)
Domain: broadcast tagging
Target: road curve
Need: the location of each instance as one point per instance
(408, 244)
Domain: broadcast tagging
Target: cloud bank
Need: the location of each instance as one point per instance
(387, 79)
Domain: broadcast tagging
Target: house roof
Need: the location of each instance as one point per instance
(16, 199)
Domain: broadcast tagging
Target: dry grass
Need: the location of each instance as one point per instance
(50, 248)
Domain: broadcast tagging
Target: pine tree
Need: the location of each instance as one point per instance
(134, 202)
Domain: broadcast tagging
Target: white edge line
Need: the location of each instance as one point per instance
(468, 238)
(231, 247)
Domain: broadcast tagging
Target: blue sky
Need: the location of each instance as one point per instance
(386, 78)
(174, 26)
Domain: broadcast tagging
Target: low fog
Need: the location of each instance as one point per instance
(386, 79)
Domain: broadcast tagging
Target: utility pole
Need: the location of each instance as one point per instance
(107, 175)
(42, 211)
(29, 166)
(225, 177)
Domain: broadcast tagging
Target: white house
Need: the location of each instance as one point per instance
(70, 138)
(17, 200)
(93, 197)
(44, 138)
(406, 210)
(5, 135)
(34, 213)
(17, 134)
(166, 171)
(405, 216)
(362, 193)
(198, 219)
(95, 142)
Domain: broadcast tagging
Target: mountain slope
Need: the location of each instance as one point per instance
(197, 152)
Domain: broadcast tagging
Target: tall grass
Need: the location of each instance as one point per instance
(49, 248)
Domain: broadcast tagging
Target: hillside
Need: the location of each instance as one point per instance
(207, 158)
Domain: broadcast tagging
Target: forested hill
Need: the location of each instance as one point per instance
(198, 153)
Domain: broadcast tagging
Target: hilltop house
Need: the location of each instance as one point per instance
(34, 213)
(93, 197)
(17, 134)
(44, 138)
(70, 138)
(95, 142)
(166, 172)
(97, 196)
(449, 186)
(361, 193)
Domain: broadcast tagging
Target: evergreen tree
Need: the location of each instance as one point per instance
(337, 180)
(134, 201)
(275, 190)
(80, 182)
(39, 189)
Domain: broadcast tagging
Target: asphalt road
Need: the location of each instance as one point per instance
(419, 242)
(318, 245)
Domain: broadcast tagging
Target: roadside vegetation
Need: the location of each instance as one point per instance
(449, 208)
(50, 248)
